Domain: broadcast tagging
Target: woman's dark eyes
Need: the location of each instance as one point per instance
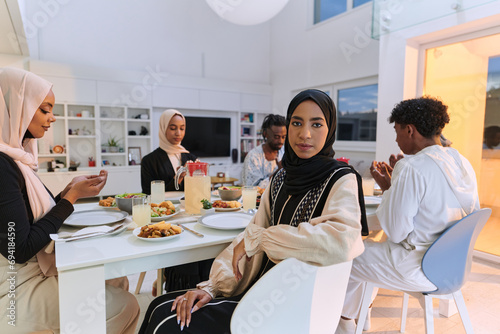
(45, 111)
(295, 123)
(317, 125)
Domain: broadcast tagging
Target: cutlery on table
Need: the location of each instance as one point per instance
(198, 234)
(92, 234)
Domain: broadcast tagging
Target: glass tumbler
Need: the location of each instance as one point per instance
(249, 197)
(141, 210)
(157, 191)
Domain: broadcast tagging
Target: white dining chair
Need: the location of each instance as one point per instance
(293, 297)
(447, 263)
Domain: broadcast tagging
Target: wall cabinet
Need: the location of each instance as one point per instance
(96, 136)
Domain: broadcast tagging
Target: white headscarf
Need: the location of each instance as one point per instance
(165, 145)
(22, 93)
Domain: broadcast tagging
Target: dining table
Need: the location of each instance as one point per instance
(84, 265)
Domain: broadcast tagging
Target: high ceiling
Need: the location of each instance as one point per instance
(11, 28)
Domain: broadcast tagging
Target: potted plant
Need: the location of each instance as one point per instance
(113, 144)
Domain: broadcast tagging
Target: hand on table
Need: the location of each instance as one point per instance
(85, 186)
(184, 305)
(238, 253)
(381, 173)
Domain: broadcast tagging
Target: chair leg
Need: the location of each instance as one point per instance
(462, 309)
(139, 283)
(367, 295)
(404, 312)
(159, 283)
(429, 315)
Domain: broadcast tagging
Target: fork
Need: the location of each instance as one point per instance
(93, 234)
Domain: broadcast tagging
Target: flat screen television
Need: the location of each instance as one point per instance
(208, 136)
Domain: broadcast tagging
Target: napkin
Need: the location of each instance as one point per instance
(87, 230)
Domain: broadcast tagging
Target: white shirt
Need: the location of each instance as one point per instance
(257, 169)
(430, 191)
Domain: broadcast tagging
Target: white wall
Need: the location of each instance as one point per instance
(181, 37)
(305, 56)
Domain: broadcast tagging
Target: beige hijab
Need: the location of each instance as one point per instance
(165, 145)
(22, 93)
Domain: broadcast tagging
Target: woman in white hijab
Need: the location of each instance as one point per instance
(162, 163)
(29, 213)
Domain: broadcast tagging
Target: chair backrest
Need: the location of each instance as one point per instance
(293, 297)
(448, 260)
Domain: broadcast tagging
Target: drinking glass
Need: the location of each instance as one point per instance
(368, 185)
(157, 191)
(141, 210)
(249, 195)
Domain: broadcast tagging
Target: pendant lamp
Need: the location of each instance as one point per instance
(247, 12)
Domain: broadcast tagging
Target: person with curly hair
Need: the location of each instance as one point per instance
(263, 161)
(431, 188)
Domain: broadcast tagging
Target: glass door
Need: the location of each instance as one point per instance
(466, 77)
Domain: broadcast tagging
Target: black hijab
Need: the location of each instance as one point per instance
(303, 174)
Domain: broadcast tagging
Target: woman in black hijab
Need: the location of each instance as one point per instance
(310, 212)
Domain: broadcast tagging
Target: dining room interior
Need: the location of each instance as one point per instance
(116, 66)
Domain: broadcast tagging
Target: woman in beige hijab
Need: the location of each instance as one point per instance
(162, 163)
(29, 213)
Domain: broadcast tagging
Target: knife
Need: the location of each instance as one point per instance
(192, 231)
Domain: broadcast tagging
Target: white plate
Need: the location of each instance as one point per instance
(136, 232)
(226, 221)
(373, 200)
(226, 209)
(173, 196)
(159, 219)
(95, 217)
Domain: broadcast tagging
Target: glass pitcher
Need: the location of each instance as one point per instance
(196, 185)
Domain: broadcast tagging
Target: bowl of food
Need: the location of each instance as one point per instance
(124, 201)
(230, 193)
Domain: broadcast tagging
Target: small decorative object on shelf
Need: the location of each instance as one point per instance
(132, 133)
(144, 131)
(73, 165)
(134, 156)
(58, 149)
(91, 162)
(113, 144)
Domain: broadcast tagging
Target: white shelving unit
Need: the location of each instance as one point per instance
(250, 132)
(84, 130)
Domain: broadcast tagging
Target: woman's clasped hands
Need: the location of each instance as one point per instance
(85, 186)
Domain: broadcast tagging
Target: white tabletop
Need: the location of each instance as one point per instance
(84, 265)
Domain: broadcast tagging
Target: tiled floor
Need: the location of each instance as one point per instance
(481, 294)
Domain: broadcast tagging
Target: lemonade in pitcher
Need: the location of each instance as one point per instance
(196, 185)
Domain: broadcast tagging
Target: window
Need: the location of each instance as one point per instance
(357, 113)
(357, 3)
(325, 9)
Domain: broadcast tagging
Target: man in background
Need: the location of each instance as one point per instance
(264, 160)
